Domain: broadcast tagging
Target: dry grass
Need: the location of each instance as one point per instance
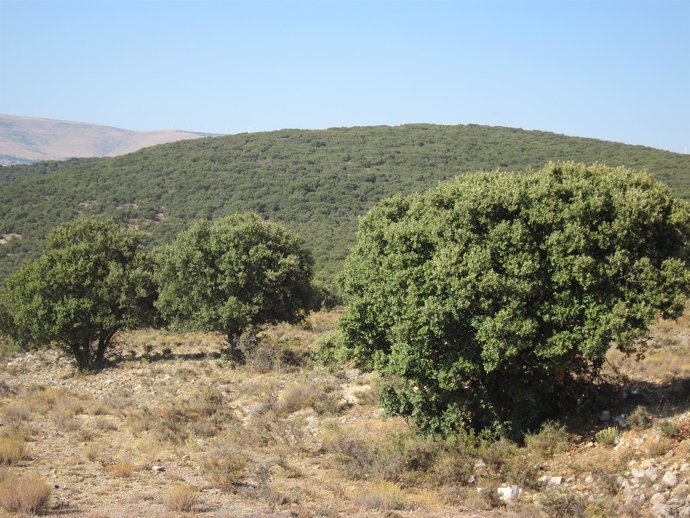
(11, 450)
(180, 498)
(105, 424)
(122, 469)
(17, 412)
(382, 496)
(225, 466)
(281, 435)
(28, 494)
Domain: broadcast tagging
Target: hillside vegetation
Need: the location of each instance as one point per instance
(315, 182)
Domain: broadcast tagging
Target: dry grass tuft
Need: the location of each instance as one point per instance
(180, 498)
(122, 469)
(25, 495)
(11, 450)
(225, 466)
(382, 496)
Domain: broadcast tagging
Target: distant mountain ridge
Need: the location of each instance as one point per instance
(24, 140)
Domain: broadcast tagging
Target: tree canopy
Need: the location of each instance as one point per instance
(233, 273)
(91, 282)
(480, 301)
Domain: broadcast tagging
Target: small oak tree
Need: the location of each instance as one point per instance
(92, 282)
(233, 274)
(482, 300)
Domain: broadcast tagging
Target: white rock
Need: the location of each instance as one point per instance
(509, 494)
(157, 469)
(675, 501)
(681, 489)
(652, 473)
(589, 479)
(685, 467)
(657, 498)
(670, 478)
(556, 481)
(638, 473)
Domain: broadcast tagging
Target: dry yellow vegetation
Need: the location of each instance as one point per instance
(173, 427)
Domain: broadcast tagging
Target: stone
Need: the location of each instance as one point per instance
(652, 473)
(589, 479)
(509, 494)
(605, 415)
(157, 469)
(681, 489)
(638, 473)
(675, 501)
(657, 498)
(670, 478)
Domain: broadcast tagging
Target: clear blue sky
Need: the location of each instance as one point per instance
(616, 70)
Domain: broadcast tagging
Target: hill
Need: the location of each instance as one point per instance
(316, 182)
(26, 139)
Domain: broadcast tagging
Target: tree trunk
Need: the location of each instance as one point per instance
(235, 353)
(104, 341)
(81, 353)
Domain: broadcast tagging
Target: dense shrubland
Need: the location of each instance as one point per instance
(482, 303)
(315, 182)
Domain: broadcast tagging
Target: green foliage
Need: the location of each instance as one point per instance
(332, 350)
(549, 441)
(639, 418)
(232, 274)
(480, 300)
(607, 436)
(91, 282)
(315, 182)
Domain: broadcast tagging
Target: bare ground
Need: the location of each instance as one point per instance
(171, 419)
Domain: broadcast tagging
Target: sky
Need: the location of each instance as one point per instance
(614, 70)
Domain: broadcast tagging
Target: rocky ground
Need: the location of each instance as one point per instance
(172, 428)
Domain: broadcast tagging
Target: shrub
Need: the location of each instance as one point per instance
(482, 301)
(180, 498)
(382, 496)
(122, 469)
(11, 450)
(225, 466)
(91, 282)
(639, 418)
(550, 440)
(233, 274)
(562, 503)
(25, 495)
(607, 436)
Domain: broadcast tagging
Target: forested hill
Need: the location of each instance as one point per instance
(316, 182)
